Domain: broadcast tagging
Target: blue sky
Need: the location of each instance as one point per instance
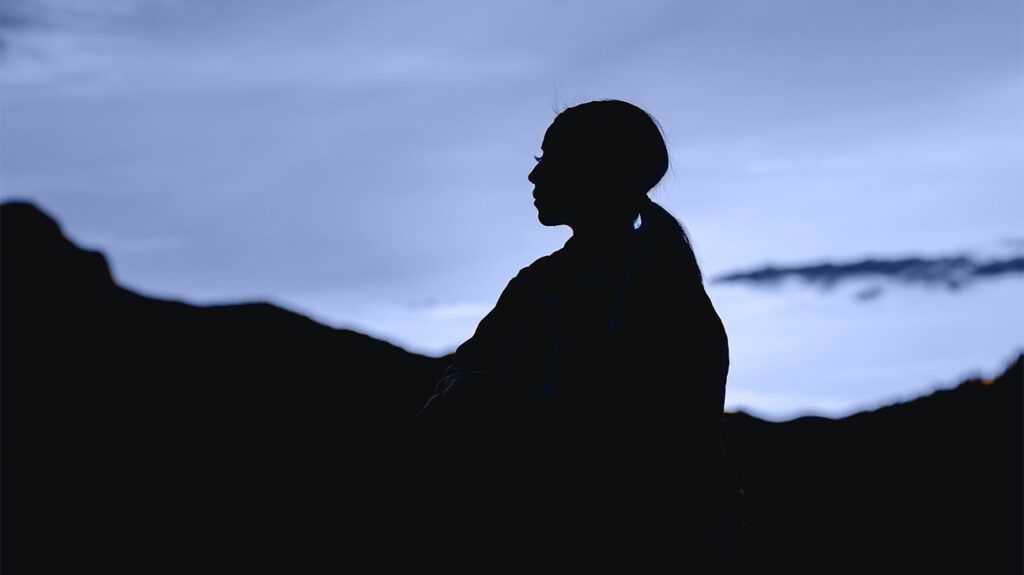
(365, 162)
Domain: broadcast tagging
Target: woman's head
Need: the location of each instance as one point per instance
(599, 161)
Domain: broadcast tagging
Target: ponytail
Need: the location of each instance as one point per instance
(667, 233)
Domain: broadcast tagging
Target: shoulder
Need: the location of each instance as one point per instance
(542, 269)
(529, 283)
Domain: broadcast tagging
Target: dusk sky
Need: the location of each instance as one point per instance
(365, 163)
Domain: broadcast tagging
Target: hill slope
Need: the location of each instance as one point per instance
(932, 485)
(135, 429)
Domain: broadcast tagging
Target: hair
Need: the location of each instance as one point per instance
(626, 149)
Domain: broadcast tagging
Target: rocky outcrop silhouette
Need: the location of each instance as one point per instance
(142, 434)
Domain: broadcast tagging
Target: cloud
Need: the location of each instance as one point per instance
(951, 272)
(123, 244)
(53, 14)
(41, 40)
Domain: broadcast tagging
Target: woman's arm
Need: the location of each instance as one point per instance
(472, 383)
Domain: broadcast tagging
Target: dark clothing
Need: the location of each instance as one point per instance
(592, 395)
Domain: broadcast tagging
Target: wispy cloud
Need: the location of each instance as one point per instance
(951, 272)
(45, 39)
(121, 244)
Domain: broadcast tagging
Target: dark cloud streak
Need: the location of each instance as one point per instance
(952, 272)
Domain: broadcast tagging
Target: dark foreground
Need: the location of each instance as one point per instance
(141, 435)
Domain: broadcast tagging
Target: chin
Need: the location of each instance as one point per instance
(549, 213)
(548, 219)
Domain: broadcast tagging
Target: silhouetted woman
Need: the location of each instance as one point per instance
(588, 404)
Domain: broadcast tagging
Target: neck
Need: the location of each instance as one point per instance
(605, 232)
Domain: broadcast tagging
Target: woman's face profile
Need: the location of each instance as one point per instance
(560, 180)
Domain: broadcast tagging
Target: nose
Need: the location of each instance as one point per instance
(533, 174)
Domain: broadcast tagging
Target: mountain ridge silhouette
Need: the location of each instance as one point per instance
(142, 433)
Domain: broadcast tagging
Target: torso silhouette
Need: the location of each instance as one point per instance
(608, 337)
(591, 397)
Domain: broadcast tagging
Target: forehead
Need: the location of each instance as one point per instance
(557, 136)
(550, 138)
